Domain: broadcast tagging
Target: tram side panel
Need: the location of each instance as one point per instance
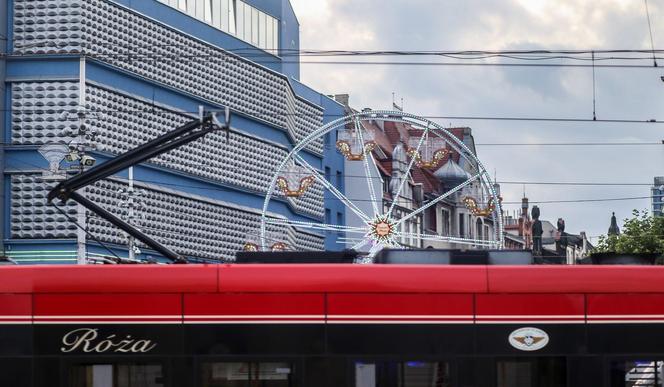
(370, 324)
(16, 340)
(625, 323)
(108, 324)
(257, 324)
(536, 324)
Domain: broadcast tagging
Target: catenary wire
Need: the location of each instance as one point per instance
(429, 116)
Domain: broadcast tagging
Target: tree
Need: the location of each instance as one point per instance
(642, 234)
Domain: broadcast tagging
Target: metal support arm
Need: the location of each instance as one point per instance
(183, 135)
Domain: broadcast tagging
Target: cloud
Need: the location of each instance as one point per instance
(500, 91)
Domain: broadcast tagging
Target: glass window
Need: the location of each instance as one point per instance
(269, 31)
(246, 375)
(208, 11)
(216, 13)
(224, 15)
(532, 372)
(634, 373)
(117, 375)
(247, 23)
(262, 29)
(402, 374)
(254, 26)
(446, 223)
(231, 16)
(234, 17)
(200, 9)
(239, 13)
(275, 36)
(191, 7)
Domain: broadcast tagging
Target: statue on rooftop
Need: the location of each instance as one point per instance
(537, 231)
(561, 238)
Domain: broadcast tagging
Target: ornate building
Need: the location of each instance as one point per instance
(95, 78)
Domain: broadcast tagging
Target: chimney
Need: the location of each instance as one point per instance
(524, 207)
(343, 99)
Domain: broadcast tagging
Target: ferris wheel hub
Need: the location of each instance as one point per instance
(382, 229)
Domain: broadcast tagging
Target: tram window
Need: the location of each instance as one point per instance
(637, 373)
(531, 372)
(402, 374)
(246, 375)
(116, 375)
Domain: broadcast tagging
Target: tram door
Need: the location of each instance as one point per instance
(103, 374)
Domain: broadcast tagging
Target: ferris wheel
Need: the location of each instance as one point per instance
(377, 224)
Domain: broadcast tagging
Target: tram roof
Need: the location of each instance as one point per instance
(330, 278)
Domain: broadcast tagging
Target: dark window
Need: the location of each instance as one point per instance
(431, 214)
(533, 372)
(328, 216)
(462, 226)
(340, 218)
(246, 375)
(445, 217)
(327, 174)
(634, 373)
(117, 375)
(402, 374)
(340, 181)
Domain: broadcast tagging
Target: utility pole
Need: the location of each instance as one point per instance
(131, 213)
(81, 212)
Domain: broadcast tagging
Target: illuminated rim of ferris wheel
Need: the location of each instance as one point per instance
(294, 176)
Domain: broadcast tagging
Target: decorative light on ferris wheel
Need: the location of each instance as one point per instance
(253, 247)
(273, 241)
(294, 181)
(353, 146)
(475, 209)
(431, 153)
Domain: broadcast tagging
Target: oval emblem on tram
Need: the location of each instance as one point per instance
(529, 339)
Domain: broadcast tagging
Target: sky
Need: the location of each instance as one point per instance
(620, 93)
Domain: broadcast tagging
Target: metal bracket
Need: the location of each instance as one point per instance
(191, 131)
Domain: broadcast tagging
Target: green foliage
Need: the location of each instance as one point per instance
(641, 234)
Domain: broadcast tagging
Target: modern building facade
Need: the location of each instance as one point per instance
(658, 196)
(100, 77)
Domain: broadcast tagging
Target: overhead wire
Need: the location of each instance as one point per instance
(652, 43)
(427, 116)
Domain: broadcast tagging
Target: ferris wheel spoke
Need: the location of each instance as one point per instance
(439, 198)
(316, 226)
(442, 238)
(375, 249)
(359, 244)
(331, 188)
(367, 170)
(404, 178)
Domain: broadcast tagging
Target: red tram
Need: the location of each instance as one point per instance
(331, 325)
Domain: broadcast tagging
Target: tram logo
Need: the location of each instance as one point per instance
(528, 339)
(87, 340)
